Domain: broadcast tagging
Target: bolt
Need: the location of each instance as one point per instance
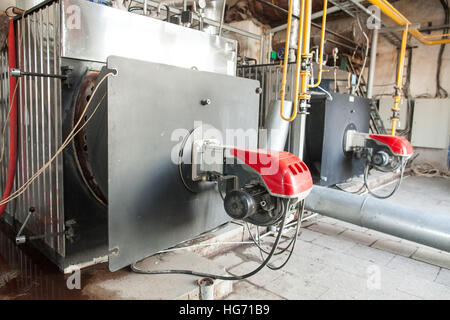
(205, 102)
(258, 90)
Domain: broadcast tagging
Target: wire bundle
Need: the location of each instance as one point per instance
(265, 262)
(426, 169)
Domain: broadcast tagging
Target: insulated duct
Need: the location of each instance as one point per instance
(428, 228)
(294, 30)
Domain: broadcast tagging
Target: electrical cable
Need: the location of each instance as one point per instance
(11, 7)
(214, 276)
(291, 243)
(397, 186)
(354, 192)
(428, 170)
(330, 97)
(365, 55)
(302, 210)
(69, 138)
(258, 243)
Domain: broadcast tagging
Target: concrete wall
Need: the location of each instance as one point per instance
(424, 63)
(6, 3)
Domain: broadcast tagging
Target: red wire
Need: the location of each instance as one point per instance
(13, 118)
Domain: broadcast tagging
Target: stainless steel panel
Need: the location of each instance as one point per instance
(139, 37)
(39, 123)
(149, 208)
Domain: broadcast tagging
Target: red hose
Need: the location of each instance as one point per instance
(12, 118)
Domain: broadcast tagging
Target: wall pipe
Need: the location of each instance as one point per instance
(322, 45)
(296, 11)
(399, 84)
(400, 19)
(373, 59)
(428, 228)
(285, 66)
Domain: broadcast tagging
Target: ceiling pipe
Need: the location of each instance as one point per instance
(427, 228)
(400, 19)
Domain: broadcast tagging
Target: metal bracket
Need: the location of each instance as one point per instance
(20, 239)
(399, 28)
(20, 73)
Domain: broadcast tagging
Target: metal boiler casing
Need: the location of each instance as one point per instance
(326, 126)
(79, 35)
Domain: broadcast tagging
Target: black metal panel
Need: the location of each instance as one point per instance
(149, 208)
(325, 128)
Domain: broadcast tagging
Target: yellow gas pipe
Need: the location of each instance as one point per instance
(285, 65)
(322, 42)
(299, 58)
(301, 76)
(304, 72)
(399, 84)
(400, 19)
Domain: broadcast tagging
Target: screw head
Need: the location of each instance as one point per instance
(258, 90)
(205, 102)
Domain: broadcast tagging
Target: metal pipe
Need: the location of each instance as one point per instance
(294, 30)
(301, 138)
(306, 55)
(400, 19)
(206, 20)
(373, 59)
(331, 10)
(322, 45)
(222, 17)
(399, 85)
(428, 228)
(315, 25)
(298, 59)
(285, 65)
(145, 7)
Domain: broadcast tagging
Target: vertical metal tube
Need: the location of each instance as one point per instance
(285, 64)
(301, 138)
(145, 7)
(262, 49)
(322, 45)
(306, 45)
(373, 60)
(399, 84)
(294, 31)
(222, 17)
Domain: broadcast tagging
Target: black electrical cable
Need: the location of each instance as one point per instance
(354, 192)
(258, 243)
(293, 241)
(214, 276)
(11, 7)
(397, 186)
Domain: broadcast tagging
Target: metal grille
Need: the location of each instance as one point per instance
(269, 77)
(39, 123)
(4, 105)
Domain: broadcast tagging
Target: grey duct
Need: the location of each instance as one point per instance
(277, 128)
(373, 58)
(428, 228)
(294, 31)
